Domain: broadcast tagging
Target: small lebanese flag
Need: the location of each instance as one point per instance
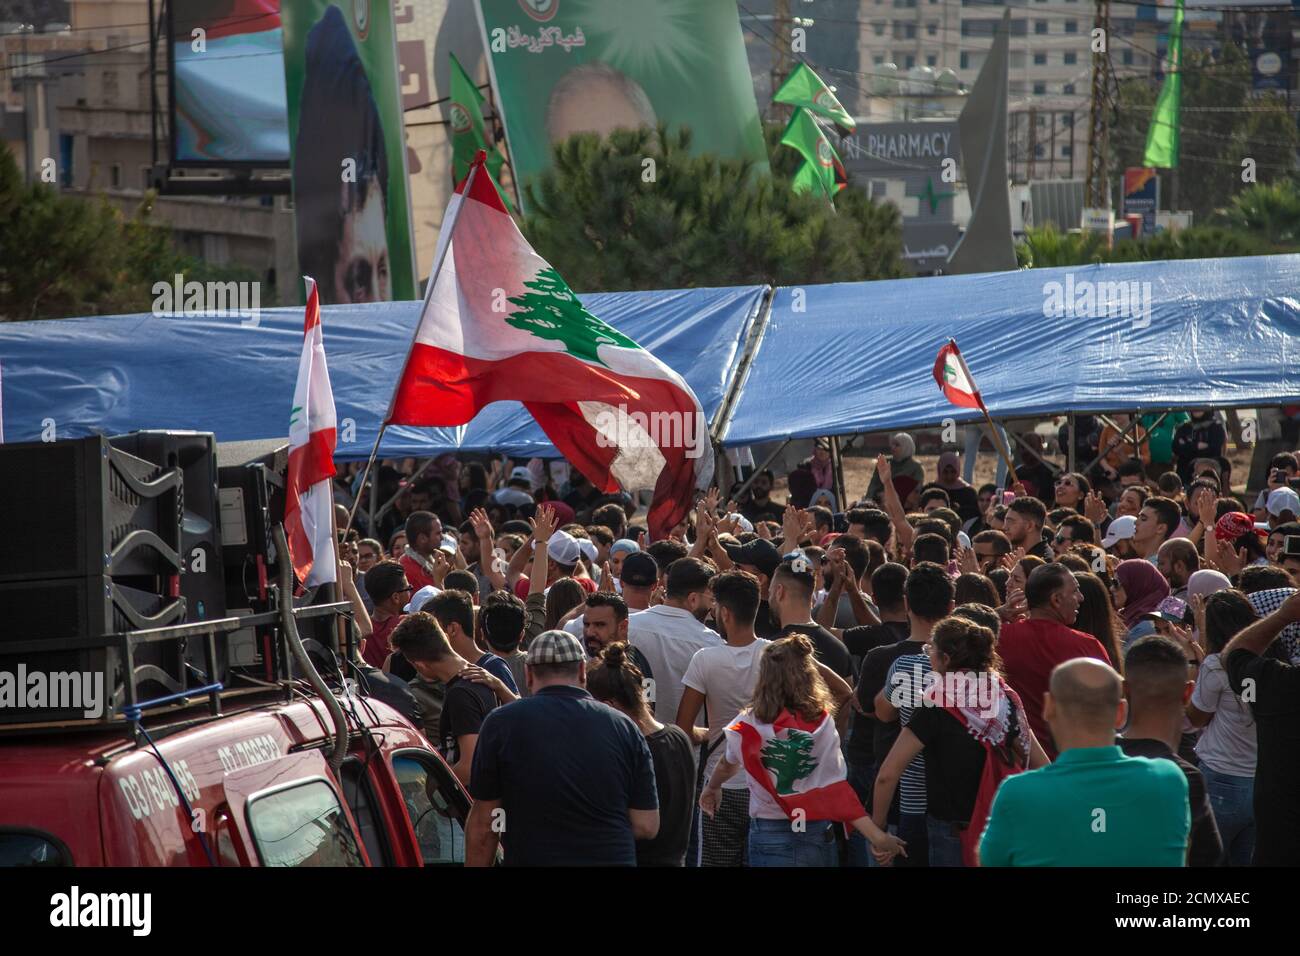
(309, 505)
(955, 379)
(500, 324)
(798, 763)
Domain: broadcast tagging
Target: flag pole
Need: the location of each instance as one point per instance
(444, 245)
(997, 443)
(993, 429)
(340, 623)
(374, 452)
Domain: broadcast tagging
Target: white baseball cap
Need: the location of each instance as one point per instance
(1283, 499)
(1121, 529)
(563, 548)
(420, 598)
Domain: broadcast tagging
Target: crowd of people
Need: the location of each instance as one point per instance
(1097, 668)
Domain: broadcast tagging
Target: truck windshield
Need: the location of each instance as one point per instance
(303, 825)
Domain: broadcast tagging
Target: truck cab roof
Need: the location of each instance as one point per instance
(250, 786)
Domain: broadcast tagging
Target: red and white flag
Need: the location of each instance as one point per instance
(499, 323)
(309, 505)
(955, 379)
(799, 764)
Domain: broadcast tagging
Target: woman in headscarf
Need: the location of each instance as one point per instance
(1138, 590)
(906, 470)
(961, 494)
(820, 463)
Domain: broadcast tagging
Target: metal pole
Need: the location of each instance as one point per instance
(153, 89)
(365, 474)
(1069, 455)
(837, 470)
(759, 470)
(374, 500)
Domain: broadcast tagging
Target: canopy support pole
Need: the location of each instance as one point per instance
(759, 470)
(837, 471)
(1070, 433)
(374, 453)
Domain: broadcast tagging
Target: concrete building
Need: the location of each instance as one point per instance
(83, 101)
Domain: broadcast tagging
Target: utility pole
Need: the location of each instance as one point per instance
(1033, 145)
(1096, 195)
(784, 59)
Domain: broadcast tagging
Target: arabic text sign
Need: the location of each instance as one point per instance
(926, 246)
(904, 163)
(562, 67)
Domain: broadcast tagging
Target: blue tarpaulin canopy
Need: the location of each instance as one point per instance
(114, 374)
(832, 359)
(859, 356)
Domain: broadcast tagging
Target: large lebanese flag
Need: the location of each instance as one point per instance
(955, 379)
(500, 324)
(309, 505)
(799, 763)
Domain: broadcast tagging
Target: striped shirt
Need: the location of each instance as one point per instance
(904, 686)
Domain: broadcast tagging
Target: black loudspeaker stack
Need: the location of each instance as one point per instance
(202, 577)
(92, 547)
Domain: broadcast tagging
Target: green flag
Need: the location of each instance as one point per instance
(1162, 137)
(805, 179)
(824, 166)
(805, 88)
(468, 136)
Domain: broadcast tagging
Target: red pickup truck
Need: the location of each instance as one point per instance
(250, 786)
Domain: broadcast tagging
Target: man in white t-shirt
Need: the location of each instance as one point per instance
(720, 680)
(669, 634)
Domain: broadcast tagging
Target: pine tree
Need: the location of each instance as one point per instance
(790, 759)
(609, 220)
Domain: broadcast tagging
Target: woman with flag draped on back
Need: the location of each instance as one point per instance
(788, 747)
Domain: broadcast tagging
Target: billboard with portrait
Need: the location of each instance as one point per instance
(346, 137)
(561, 67)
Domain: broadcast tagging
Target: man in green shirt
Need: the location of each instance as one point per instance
(1094, 806)
(1160, 439)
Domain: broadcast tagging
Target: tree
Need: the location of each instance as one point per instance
(1046, 248)
(790, 759)
(637, 210)
(63, 255)
(1198, 242)
(1223, 122)
(1270, 211)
